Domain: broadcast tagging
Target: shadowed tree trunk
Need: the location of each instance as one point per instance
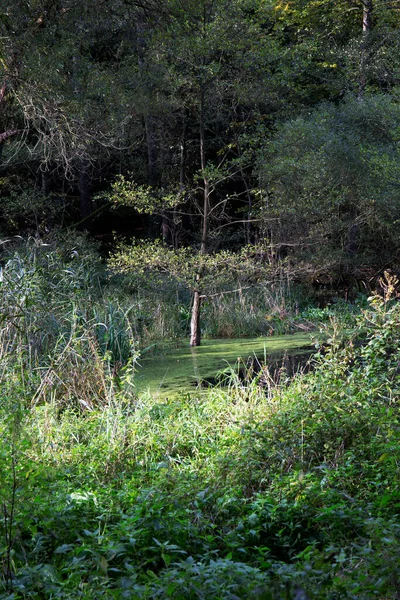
(5, 135)
(85, 189)
(153, 176)
(367, 15)
(366, 30)
(195, 333)
(176, 219)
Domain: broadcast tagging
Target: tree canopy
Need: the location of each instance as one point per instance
(211, 125)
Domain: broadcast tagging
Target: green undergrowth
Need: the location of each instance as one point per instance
(49, 283)
(248, 490)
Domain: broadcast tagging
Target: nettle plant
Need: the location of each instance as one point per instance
(379, 355)
(369, 357)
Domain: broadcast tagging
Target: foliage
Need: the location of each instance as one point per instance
(272, 129)
(25, 209)
(64, 118)
(53, 320)
(244, 121)
(142, 198)
(241, 490)
(328, 180)
(218, 269)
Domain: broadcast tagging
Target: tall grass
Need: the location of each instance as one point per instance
(240, 491)
(60, 337)
(163, 311)
(257, 311)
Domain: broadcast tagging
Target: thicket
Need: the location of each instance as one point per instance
(222, 127)
(234, 492)
(220, 124)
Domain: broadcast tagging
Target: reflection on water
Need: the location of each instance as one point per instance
(270, 370)
(180, 368)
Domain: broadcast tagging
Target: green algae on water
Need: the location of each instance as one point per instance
(179, 369)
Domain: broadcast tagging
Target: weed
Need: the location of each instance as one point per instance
(287, 489)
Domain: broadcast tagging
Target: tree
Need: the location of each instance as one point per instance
(150, 264)
(200, 53)
(347, 45)
(59, 82)
(330, 196)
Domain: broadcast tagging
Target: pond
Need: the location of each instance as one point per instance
(182, 368)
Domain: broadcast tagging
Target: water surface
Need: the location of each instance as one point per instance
(182, 367)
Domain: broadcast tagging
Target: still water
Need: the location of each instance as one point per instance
(181, 368)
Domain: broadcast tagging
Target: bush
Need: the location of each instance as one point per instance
(224, 493)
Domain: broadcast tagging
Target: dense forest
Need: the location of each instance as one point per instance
(174, 172)
(211, 126)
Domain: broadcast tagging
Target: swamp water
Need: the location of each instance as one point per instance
(181, 369)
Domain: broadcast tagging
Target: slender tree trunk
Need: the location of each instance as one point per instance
(249, 209)
(45, 183)
(247, 226)
(182, 158)
(176, 219)
(367, 15)
(149, 119)
(206, 183)
(6, 134)
(152, 150)
(366, 30)
(195, 333)
(85, 189)
(352, 238)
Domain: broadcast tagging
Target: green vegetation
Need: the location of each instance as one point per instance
(214, 172)
(175, 369)
(238, 491)
(228, 143)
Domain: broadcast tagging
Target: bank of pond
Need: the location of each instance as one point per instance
(191, 487)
